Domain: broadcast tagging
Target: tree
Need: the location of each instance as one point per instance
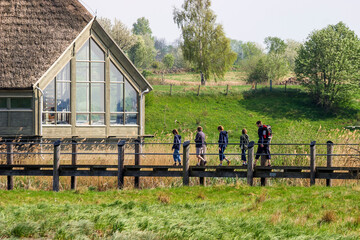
(205, 44)
(275, 45)
(168, 60)
(291, 52)
(161, 48)
(328, 64)
(251, 49)
(119, 32)
(236, 46)
(142, 27)
(143, 53)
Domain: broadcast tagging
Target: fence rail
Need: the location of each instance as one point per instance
(185, 171)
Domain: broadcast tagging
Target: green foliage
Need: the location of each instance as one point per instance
(251, 49)
(216, 212)
(119, 32)
(291, 52)
(146, 73)
(169, 60)
(142, 27)
(259, 73)
(284, 111)
(156, 65)
(275, 45)
(143, 53)
(328, 64)
(205, 44)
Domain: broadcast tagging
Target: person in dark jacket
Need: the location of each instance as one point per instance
(223, 141)
(244, 142)
(200, 145)
(263, 143)
(176, 147)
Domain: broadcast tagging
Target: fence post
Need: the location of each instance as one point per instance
(121, 156)
(312, 162)
(330, 149)
(227, 89)
(10, 161)
(137, 161)
(202, 163)
(198, 93)
(171, 89)
(270, 85)
(186, 148)
(56, 166)
(74, 148)
(285, 85)
(250, 166)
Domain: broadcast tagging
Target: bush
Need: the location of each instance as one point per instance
(146, 73)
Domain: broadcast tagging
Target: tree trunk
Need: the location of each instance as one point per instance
(203, 80)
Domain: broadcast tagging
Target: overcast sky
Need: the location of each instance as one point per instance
(242, 20)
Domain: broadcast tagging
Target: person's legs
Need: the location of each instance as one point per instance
(258, 153)
(243, 156)
(198, 155)
(177, 156)
(221, 156)
(268, 155)
(174, 156)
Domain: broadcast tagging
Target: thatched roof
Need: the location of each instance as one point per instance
(33, 35)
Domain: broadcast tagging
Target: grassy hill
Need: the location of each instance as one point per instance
(292, 115)
(221, 212)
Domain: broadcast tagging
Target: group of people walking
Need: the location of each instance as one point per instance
(264, 134)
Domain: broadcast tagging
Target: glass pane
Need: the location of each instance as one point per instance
(49, 97)
(63, 97)
(117, 119)
(48, 118)
(83, 53)
(96, 53)
(3, 119)
(64, 74)
(97, 119)
(97, 72)
(116, 98)
(3, 102)
(82, 97)
(82, 119)
(21, 103)
(115, 74)
(131, 118)
(82, 72)
(130, 98)
(97, 97)
(62, 118)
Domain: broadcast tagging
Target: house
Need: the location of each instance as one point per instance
(62, 75)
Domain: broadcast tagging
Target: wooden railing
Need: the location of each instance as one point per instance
(310, 171)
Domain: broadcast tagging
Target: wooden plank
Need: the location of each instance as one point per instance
(250, 166)
(26, 173)
(74, 148)
(312, 163)
(152, 166)
(56, 167)
(137, 162)
(121, 158)
(186, 156)
(154, 174)
(215, 174)
(330, 148)
(282, 174)
(10, 161)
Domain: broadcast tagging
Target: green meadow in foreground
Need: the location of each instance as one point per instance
(292, 114)
(218, 212)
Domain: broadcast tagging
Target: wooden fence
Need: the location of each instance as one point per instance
(311, 171)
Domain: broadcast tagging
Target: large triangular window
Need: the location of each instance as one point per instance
(90, 85)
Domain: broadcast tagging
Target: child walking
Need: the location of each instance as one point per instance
(223, 141)
(244, 142)
(176, 147)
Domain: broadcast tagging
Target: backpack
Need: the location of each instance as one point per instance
(267, 132)
(244, 141)
(226, 138)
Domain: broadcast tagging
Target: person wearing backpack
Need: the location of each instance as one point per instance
(223, 142)
(200, 145)
(265, 135)
(176, 147)
(244, 142)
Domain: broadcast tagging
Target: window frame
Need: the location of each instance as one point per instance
(56, 112)
(123, 83)
(90, 113)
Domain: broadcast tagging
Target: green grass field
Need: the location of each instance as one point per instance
(220, 212)
(292, 115)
